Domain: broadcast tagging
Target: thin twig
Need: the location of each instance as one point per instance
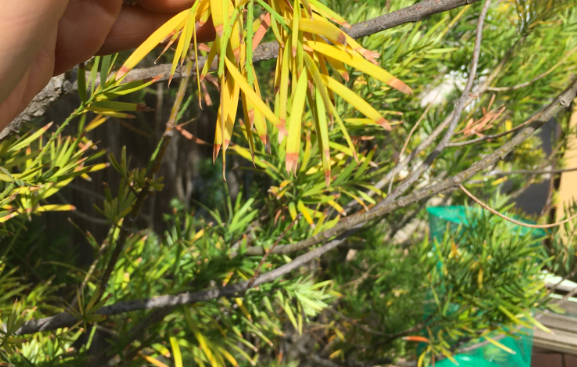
(441, 127)
(92, 267)
(269, 251)
(534, 172)
(569, 275)
(485, 206)
(130, 220)
(459, 106)
(357, 324)
(86, 191)
(491, 137)
(568, 295)
(409, 138)
(84, 216)
(526, 84)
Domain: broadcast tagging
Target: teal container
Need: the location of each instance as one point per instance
(449, 218)
(453, 216)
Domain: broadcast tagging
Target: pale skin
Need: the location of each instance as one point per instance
(43, 38)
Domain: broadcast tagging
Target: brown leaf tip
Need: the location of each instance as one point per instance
(218, 29)
(400, 86)
(122, 72)
(385, 124)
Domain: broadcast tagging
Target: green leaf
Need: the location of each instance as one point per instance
(82, 81)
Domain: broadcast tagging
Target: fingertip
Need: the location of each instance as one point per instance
(135, 24)
(165, 6)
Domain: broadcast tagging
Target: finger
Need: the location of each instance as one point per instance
(82, 31)
(165, 6)
(135, 24)
(31, 82)
(25, 26)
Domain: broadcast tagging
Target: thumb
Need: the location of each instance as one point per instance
(25, 26)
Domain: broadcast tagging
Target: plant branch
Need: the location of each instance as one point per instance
(485, 206)
(489, 137)
(459, 106)
(410, 14)
(534, 172)
(65, 84)
(443, 125)
(168, 301)
(130, 220)
(409, 139)
(562, 101)
(341, 231)
(268, 252)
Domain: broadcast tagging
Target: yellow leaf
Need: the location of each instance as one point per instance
(218, 14)
(499, 345)
(283, 95)
(536, 323)
(361, 64)
(243, 308)
(337, 207)
(176, 352)
(294, 130)
(235, 41)
(228, 356)
(198, 235)
(513, 317)
(339, 334)
(98, 167)
(155, 362)
(295, 27)
(324, 29)
(292, 210)
(225, 92)
(259, 121)
(231, 115)
(105, 112)
(250, 93)
(209, 59)
(303, 209)
(321, 8)
(97, 121)
(26, 142)
(499, 181)
(339, 67)
(345, 133)
(120, 106)
(420, 339)
(335, 354)
(360, 104)
(174, 24)
(8, 217)
(448, 355)
(323, 133)
(319, 224)
(55, 208)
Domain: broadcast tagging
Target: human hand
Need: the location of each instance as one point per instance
(43, 38)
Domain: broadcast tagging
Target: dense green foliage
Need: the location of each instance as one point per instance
(356, 304)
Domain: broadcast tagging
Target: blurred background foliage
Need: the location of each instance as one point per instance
(366, 303)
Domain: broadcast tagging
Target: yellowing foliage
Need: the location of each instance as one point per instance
(311, 44)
